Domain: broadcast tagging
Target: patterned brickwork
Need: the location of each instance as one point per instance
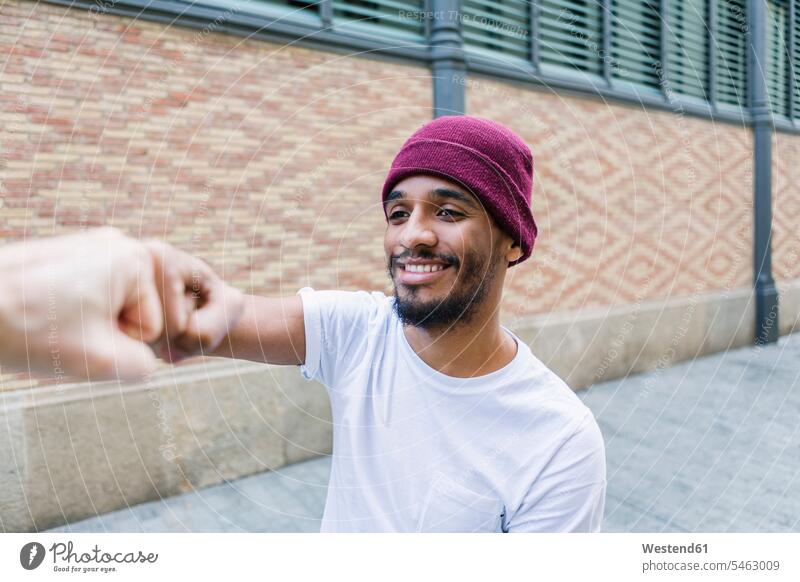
(632, 204)
(264, 159)
(786, 207)
(267, 161)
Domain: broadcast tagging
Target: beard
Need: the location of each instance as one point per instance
(462, 301)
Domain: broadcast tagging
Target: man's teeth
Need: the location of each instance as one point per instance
(424, 268)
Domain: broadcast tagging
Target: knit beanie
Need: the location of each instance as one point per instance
(483, 156)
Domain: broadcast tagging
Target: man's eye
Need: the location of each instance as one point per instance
(397, 214)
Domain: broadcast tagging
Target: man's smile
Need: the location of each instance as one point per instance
(419, 274)
(420, 271)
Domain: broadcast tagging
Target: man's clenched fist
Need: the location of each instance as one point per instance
(90, 305)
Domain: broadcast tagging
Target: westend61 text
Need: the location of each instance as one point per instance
(670, 549)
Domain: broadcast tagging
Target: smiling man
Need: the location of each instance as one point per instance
(443, 419)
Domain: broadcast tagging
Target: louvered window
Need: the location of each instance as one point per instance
(399, 17)
(730, 51)
(636, 41)
(777, 57)
(570, 34)
(307, 12)
(794, 69)
(499, 26)
(293, 6)
(688, 42)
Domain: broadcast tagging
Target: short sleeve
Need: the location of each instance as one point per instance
(313, 330)
(570, 496)
(336, 329)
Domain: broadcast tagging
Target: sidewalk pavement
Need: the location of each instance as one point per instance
(711, 445)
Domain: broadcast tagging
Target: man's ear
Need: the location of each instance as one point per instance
(513, 253)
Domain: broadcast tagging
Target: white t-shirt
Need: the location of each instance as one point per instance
(417, 450)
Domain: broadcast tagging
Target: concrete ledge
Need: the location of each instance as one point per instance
(591, 346)
(78, 450)
(789, 315)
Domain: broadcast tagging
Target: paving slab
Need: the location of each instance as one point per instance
(707, 445)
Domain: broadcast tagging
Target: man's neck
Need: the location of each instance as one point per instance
(464, 350)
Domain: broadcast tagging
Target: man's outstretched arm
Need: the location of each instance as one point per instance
(270, 330)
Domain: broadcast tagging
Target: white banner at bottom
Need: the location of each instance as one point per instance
(400, 557)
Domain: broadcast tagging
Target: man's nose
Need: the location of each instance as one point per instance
(418, 230)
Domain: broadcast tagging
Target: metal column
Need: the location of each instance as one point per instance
(447, 58)
(766, 294)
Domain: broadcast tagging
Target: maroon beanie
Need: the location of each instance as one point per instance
(487, 158)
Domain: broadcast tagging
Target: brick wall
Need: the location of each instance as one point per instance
(632, 204)
(785, 207)
(266, 160)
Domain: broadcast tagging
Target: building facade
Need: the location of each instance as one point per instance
(257, 134)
